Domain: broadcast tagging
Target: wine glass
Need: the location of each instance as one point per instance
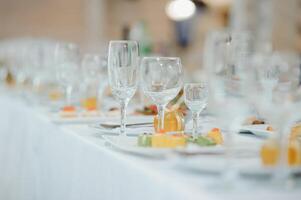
(94, 70)
(277, 96)
(123, 61)
(195, 97)
(161, 80)
(67, 67)
(226, 55)
(40, 63)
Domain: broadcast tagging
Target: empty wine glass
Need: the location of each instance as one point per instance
(161, 80)
(39, 63)
(268, 75)
(225, 63)
(67, 67)
(277, 96)
(123, 61)
(195, 97)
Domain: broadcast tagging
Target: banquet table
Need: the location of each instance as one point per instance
(42, 160)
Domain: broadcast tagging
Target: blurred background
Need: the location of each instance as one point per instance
(165, 27)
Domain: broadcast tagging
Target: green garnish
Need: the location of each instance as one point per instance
(144, 140)
(202, 141)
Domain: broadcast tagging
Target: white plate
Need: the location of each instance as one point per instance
(129, 120)
(129, 131)
(129, 145)
(77, 119)
(241, 150)
(193, 149)
(216, 164)
(259, 130)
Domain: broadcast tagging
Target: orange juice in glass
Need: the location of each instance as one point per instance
(90, 103)
(173, 122)
(90, 98)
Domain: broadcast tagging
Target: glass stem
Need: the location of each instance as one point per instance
(123, 107)
(68, 95)
(281, 174)
(230, 172)
(161, 109)
(195, 116)
(36, 85)
(269, 94)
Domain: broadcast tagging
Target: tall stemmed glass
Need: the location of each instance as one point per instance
(67, 59)
(161, 80)
(277, 96)
(195, 97)
(39, 63)
(225, 62)
(94, 70)
(123, 61)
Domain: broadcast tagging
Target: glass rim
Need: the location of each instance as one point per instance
(123, 41)
(202, 83)
(161, 58)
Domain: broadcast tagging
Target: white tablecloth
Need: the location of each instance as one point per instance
(40, 160)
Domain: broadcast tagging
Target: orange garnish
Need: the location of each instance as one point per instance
(216, 135)
(161, 131)
(68, 109)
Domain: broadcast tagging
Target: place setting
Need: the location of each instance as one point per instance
(135, 133)
(165, 135)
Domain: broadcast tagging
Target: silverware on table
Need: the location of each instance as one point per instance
(112, 126)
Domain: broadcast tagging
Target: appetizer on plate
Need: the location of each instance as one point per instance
(68, 111)
(254, 121)
(164, 140)
(159, 140)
